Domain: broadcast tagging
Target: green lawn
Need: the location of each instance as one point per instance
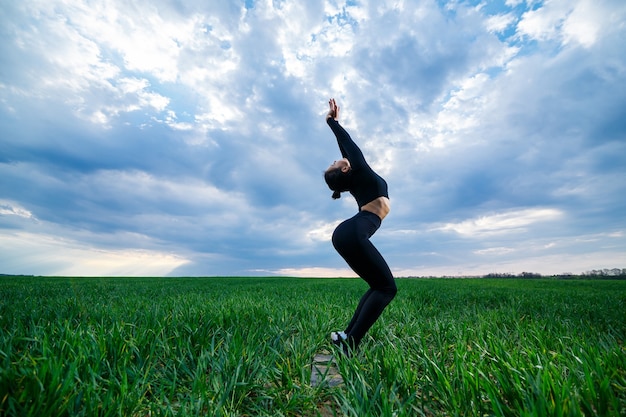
(243, 347)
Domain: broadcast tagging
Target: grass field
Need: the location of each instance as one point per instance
(243, 347)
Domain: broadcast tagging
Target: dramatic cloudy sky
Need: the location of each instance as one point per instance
(187, 137)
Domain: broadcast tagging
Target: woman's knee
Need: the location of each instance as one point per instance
(386, 294)
(387, 288)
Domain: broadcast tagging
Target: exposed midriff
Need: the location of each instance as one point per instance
(379, 207)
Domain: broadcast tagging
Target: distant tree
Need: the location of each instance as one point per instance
(530, 275)
(606, 273)
(499, 275)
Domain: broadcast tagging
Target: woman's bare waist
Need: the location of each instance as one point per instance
(379, 207)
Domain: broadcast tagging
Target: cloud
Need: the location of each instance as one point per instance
(323, 231)
(8, 208)
(494, 251)
(188, 138)
(579, 22)
(510, 222)
(315, 272)
(500, 22)
(42, 254)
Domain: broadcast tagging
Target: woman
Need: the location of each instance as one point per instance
(351, 238)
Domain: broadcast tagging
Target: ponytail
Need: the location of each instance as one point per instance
(338, 181)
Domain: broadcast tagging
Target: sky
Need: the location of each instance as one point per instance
(188, 137)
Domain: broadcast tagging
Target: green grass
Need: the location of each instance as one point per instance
(243, 347)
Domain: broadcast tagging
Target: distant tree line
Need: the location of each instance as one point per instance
(615, 272)
(606, 273)
(509, 275)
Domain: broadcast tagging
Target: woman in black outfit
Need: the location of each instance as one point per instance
(351, 237)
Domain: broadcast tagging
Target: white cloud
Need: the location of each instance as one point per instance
(500, 22)
(323, 231)
(315, 272)
(544, 22)
(146, 41)
(509, 222)
(584, 24)
(9, 208)
(41, 254)
(514, 3)
(494, 251)
(570, 22)
(545, 265)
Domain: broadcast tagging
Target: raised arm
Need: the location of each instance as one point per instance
(347, 147)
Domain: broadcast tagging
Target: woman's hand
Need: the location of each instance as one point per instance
(334, 109)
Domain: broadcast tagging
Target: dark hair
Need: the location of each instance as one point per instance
(338, 181)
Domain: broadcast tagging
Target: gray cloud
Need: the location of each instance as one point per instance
(188, 138)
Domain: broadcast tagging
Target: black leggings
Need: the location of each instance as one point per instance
(351, 240)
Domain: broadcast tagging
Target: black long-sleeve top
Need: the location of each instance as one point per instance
(366, 184)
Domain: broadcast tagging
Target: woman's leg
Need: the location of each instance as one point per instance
(351, 240)
(357, 312)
